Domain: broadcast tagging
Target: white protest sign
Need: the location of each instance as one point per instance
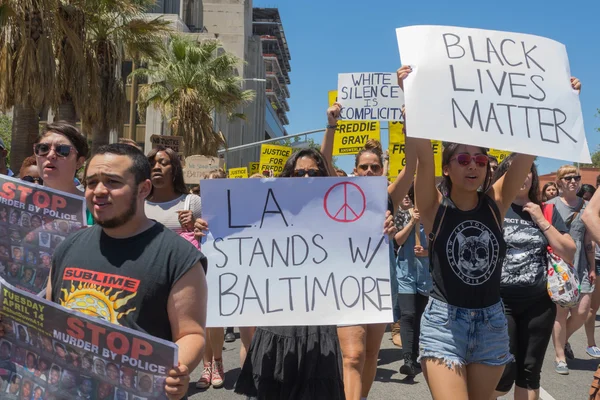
(370, 96)
(495, 89)
(305, 251)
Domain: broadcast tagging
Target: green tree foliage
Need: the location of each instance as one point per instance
(5, 133)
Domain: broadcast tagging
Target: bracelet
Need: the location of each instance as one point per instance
(548, 227)
(332, 126)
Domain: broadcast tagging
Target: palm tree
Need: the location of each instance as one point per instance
(189, 83)
(27, 68)
(114, 30)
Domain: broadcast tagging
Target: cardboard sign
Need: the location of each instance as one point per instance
(197, 166)
(297, 251)
(67, 354)
(351, 136)
(273, 158)
(236, 173)
(253, 168)
(370, 96)
(398, 156)
(171, 142)
(492, 89)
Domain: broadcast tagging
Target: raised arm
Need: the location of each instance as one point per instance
(505, 190)
(591, 217)
(333, 115)
(427, 197)
(404, 233)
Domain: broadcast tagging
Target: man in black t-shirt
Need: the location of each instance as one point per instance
(160, 276)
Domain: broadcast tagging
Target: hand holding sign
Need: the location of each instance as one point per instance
(333, 114)
(402, 74)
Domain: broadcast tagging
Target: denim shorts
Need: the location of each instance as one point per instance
(461, 336)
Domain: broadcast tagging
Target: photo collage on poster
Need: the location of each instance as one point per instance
(28, 239)
(35, 366)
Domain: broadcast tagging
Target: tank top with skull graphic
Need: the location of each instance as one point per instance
(466, 253)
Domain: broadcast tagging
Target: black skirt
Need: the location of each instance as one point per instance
(293, 363)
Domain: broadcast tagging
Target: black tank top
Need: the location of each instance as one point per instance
(466, 253)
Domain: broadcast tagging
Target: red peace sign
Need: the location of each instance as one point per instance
(343, 211)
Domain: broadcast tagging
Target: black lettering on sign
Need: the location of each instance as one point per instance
(218, 240)
(229, 213)
(227, 292)
(240, 252)
(250, 283)
(291, 295)
(356, 252)
(271, 195)
(330, 280)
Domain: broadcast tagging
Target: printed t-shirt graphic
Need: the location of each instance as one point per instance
(473, 252)
(98, 294)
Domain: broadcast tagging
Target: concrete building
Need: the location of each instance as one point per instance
(255, 36)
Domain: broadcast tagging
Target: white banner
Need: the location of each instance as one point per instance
(495, 89)
(307, 251)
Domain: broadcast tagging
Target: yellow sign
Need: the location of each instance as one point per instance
(395, 131)
(351, 136)
(235, 173)
(499, 154)
(398, 157)
(273, 158)
(254, 168)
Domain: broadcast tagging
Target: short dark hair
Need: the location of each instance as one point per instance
(586, 188)
(177, 168)
(290, 165)
(70, 132)
(140, 167)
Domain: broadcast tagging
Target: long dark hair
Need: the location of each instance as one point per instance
(176, 167)
(534, 190)
(290, 165)
(446, 183)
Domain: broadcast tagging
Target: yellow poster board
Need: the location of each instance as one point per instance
(398, 157)
(253, 168)
(351, 136)
(236, 173)
(273, 158)
(499, 154)
(395, 131)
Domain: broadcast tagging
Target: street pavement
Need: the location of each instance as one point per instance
(390, 385)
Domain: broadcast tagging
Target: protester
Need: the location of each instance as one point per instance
(529, 310)
(493, 164)
(568, 321)
(360, 343)
(213, 372)
(29, 171)
(60, 151)
(549, 191)
(130, 142)
(296, 362)
(464, 338)
(340, 172)
(586, 192)
(4, 170)
(170, 302)
(414, 284)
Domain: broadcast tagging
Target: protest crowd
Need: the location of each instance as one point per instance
(472, 297)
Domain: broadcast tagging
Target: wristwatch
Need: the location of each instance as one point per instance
(331, 126)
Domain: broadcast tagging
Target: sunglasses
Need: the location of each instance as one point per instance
(465, 159)
(31, 179)
(310, 172)
(43, 149)
(373, 167)
(574, 178)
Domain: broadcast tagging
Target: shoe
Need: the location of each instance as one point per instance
(396, 334)
(593, 351)
(218, 374)
(569, 352)
(229, 336)
(561, 367)
(204, 381)
(409, 366)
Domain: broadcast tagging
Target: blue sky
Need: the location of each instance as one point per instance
(329, 37)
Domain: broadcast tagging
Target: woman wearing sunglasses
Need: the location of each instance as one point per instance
(29, 171)
(464, 342)
(568, 321)
(528, 308)
(60, 151)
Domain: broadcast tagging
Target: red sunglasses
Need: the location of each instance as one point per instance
(465, 159)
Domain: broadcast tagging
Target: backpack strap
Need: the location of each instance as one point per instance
(437, 222)
(188, 200)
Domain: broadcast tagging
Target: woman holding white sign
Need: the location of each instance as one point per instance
(464, 342)
(360, 343)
